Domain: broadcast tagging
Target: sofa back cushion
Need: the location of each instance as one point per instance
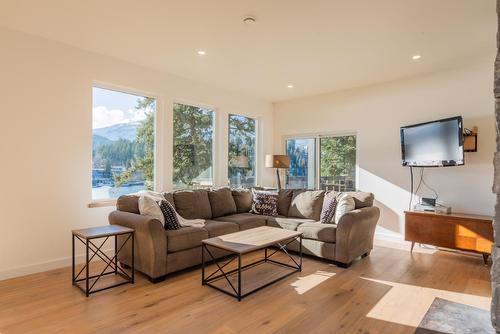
(193, 204)
(306, 204)
(242, 199)
(284, 201)
(128, 203)
(362, 199)
(221, 202)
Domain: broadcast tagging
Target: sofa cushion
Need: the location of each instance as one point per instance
(242, 199)
(185, 238)
(128, 203)
(318, 231)
(245, 221)
(284, 201)
(221, 202)
(362, 199)
(216, 228)
(287, 223)
(306, 204)
(193, 204)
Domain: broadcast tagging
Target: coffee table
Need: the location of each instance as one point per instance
(244, 242)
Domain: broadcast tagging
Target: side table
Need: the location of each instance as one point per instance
(87, 237)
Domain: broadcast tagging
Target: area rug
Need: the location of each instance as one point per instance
(446, 317)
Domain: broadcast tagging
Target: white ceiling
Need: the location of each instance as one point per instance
(317, 45)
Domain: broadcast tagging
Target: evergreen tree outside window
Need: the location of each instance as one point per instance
(193, 146)
(123, 143)
(338, 163)
(242, 151)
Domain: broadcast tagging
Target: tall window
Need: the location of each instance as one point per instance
(338, 163)
(336, 169)
(193, 146)
(242, 143)
(301, 174)
(123, 142)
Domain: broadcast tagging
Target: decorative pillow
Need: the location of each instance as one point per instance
(168, 210)
(264, 203)
(162, 210)
(221, 202)
(345, 203)
(329, 209)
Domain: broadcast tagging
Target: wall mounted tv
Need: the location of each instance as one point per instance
(433, 144)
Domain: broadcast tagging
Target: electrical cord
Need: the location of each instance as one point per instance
(411, 188)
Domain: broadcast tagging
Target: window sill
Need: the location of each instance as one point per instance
(102, 204)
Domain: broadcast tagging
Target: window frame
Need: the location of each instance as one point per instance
(317, 147)
(215, 136)
(256, 120)
(158, 116)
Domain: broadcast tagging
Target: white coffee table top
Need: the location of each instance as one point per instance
(250, 240)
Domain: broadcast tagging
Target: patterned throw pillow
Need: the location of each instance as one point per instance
(329, 209)
(171, 221)
(264, 203)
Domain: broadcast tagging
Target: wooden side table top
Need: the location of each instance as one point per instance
(253, 239)
(484, 218)
(102, 231)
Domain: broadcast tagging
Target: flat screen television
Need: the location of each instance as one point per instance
(433, 144)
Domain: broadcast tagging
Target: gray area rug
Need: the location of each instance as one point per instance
(446, 317)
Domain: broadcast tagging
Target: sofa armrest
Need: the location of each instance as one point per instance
(355, 233)
(150, 243)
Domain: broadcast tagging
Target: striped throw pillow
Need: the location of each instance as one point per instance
(170, 215)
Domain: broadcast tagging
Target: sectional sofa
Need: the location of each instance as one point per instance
(159, 252)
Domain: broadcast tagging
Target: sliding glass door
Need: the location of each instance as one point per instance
(301, 174)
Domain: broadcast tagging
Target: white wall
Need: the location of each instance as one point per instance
(46, 138)
(376, 113)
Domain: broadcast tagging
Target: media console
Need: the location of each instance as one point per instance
(473, 233)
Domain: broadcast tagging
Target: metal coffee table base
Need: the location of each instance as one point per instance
(297, 267)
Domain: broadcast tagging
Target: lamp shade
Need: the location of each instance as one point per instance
(240, 161)
(277, 161)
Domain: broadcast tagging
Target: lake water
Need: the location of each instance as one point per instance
(107, 192)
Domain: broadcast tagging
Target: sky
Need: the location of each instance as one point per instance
(111, 107)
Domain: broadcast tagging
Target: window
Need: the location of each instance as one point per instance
(193, 146)
(123, 143)
(336, 167)
(338, 163)
(301, 174)
(242, 143)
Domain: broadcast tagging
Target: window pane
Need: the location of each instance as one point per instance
(193, 146)
(302, 164)
(242, 139)
(338, 163)
(123, 143)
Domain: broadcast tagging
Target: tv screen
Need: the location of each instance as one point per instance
(433, 144)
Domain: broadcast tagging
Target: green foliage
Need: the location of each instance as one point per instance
(242, 136)
(193, 140)
(338, 156)
(141, 151)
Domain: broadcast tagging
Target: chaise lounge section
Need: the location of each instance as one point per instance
(159, 252)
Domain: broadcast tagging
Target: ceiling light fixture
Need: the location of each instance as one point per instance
(249, 20)
(416, 57)
(290, 86)
(201, 52)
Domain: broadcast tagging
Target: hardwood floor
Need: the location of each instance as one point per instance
(378, 294)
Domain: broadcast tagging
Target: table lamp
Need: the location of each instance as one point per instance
(277, 161)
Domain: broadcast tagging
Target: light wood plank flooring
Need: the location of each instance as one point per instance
(321, 299)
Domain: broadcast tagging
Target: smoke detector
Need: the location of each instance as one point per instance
(249, 20)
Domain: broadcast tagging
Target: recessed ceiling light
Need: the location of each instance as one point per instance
(416, 57)
(290, 86)
(249, 20)
(201, 52)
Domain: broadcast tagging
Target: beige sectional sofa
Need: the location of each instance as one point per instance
(159, 252)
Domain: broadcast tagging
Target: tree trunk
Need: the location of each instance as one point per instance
(495, 270)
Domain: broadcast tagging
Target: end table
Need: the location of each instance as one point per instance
(87, 237)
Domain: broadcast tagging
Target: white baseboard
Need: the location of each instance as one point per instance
(44, 266)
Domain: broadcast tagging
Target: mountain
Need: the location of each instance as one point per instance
(117, 131)
(98, 141)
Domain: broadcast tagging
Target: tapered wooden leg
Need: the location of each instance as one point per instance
(485, 258)
(412, 245)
